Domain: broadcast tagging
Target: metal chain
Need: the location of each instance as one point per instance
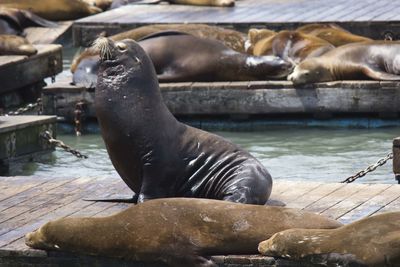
(27, 108)
(58, 143)
(369, 169)
(79, 113)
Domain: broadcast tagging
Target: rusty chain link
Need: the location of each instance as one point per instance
(79, 113)
(28, 107)
(369, 169)
(58, 143)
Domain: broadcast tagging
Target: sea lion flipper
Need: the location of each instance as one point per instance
(121, 199)
(380, 75)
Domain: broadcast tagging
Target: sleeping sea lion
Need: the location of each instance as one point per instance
(377, 60)
(255, 35)
(292, 45)
(15, 45)
(14, 21)
(177, 231)
(373, 242)
(332, 33)
(156, 155)
(54, 9)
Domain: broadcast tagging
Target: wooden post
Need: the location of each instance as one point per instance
(396, 158)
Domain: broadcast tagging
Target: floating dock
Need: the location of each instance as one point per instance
(21, 141)
(243, 100)
(21, 77)
(375, 19)
(26, 203)
(62, 34)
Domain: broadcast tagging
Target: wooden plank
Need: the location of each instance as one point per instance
(296, 190)
(42, 35)
(9, 190)
(372, 205)
(11, 123)
(47, 62)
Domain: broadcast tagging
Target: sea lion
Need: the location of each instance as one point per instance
(332, 33)
(255, 35)
(181, 57)
(54, 9)
(231, 38)
(102, 4)
(14, 21)
(15, 45)
(292, 45)
(156, 155)
(377, 60)
(178, 231)
(373, 241)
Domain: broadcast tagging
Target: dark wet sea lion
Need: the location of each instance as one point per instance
(292, 45)
(85, 73)
(181, 57)
(377, 60)
(14, 21)
(178, 231)
(15, 45)
(332, 33)
(156, 155)
(231, 38)
(373, 241)
(54, 9)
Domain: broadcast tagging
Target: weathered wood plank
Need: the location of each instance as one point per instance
(47, 62)
(296, 190)
(42, 35)
(249, 98)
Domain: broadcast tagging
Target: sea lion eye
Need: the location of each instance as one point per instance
(121, 46)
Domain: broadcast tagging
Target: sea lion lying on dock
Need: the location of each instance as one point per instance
(254, 36)
(373, 242)
(16, 45)
(177, 231)
(54, 9)
(377, 60)
(332, 33)
(13, 21)
(156, 155)
(291, 45)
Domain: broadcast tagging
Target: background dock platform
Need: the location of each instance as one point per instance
(26, 203)
(245, 99)
(375, 19)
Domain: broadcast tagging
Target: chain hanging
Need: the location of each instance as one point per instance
(28, 107)
(58, 143)
(369, 169)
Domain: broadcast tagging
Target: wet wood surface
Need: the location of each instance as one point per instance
(369, 18)
(26, 203)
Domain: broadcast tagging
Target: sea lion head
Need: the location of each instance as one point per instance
(123, 62)
(39, 239)
(224, 3)
(310, 71)
(270, 67)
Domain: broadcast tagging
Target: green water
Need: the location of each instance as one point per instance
(308, 154)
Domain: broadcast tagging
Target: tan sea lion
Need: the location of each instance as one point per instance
(15, 45)
(292, 45)
(377, 60)
(332, 33)
(255, 35)
(102, 4)
(178, 231)
(54, 9)
(14, 21)
(373, 241)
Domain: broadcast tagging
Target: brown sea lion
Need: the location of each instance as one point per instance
(292, 45)
(156, 155)
(102, 4)
(178, 231)
(231, 38)
(255, 35)
(332, 33)
(15, 45)
(54, 9)
(14, 21)
(377, 60)
(373, 241)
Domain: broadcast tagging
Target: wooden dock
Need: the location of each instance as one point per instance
(26, 203)
(21, 77)
(245, 99)
(375, 19)
(21, 141)
(57, 35)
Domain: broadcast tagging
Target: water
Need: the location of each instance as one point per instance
(297, 154)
